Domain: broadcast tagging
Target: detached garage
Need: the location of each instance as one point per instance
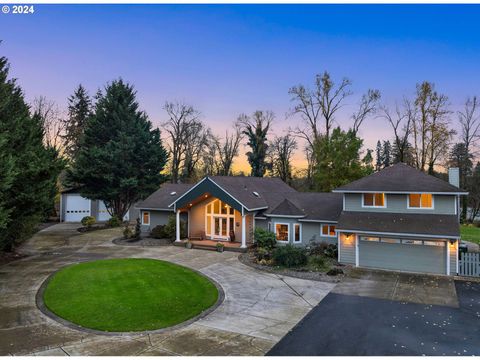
(413, 243)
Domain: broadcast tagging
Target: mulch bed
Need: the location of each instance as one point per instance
(249, 260)
(145, 242)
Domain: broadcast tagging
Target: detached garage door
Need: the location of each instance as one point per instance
(412, 255)
(103, 214)
(76, 207)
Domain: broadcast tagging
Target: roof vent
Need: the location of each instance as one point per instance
(256, 194)
(173, 193)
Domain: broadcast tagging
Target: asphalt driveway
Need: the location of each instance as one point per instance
(258, 310)
(361, 325)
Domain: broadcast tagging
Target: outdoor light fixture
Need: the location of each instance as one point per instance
(189, 204)
(452, 241)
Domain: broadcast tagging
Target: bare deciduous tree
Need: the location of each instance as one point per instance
(227, 149)
(470, 125)
(52, 122)
(281, 151)
(367, 107)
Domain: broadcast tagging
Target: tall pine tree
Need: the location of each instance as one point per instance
(120, 156)
(28, 170)
(386, 154)
(378, 155)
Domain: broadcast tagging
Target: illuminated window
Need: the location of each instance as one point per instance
(282, 232)
(297, 233)
(369, 238)
(146, 218)
(328, 230)
(374, 199)
(420, 201)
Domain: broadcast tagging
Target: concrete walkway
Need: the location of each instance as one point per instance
(259, 308)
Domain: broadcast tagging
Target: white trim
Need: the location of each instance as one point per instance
(153, 209)
(260, 218)
(457, 262)
(145, 212)
(286, 216)
(177, 226)
(357, 252)
(213, 215)
(254, 209)
(398, 234)
(275, 231)
(319, 221)
(244, 232)
(327, 235)
(343, 208)
(399, 192)
(420, 207)
(188, 223)
(339, 245)
(447, 244)
(374, 206)
(61, 207)
(300, 233)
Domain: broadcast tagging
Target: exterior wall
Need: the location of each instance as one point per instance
(311, 232)
(261, 223)
(346, 249)
(453, 258)
(157, 217)
(398, 203)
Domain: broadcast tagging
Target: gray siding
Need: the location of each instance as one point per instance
(157, 217)
(261, 223)
(398, 203)
(311, 233)
(346, 252)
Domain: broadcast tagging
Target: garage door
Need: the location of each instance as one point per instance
(103, 214)
(76, 207)
(403, 254)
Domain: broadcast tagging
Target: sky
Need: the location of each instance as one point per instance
(231, 59)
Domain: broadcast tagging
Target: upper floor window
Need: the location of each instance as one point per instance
(374, 200)
(420, 201)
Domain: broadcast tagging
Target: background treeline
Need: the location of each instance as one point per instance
(106, 146)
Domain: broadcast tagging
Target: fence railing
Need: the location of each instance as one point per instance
(469, 264)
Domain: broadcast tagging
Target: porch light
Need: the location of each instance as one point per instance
(189, 204)
(452, 241)
(206, 195)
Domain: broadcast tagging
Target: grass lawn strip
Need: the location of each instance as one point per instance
(470, 233)
(128, 294)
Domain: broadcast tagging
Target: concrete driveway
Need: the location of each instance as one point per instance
(258, 310)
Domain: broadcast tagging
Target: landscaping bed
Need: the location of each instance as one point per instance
(128, 295)
(148, 241)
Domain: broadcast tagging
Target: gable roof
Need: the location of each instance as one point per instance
(163, 197)
(286, 208)
(426, 225)
(400, 178)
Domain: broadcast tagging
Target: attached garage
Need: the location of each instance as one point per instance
(411, 255)
(76, 207)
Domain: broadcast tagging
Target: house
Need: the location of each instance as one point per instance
(74, 207)
(396, 219)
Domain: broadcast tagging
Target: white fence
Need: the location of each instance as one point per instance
(469, 264)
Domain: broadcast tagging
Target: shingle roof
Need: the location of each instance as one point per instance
(163, 197)
(421, 224)
(399, 177)
(286, 208)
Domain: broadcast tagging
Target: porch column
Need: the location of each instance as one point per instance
(244, 232)
(448, 256)
(177, 227)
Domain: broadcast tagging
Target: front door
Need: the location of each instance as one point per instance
(220, 227)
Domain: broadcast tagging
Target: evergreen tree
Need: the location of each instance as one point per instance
(79, 111)
(120, 156)
(386, 154)
(338, 160)
(28, 169)
(460, 158)
(368, 161)
(378, 154)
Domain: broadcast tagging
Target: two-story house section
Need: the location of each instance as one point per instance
(400, 219)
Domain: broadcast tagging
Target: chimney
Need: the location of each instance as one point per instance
(454, 176)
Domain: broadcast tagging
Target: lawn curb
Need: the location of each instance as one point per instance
(43, 308)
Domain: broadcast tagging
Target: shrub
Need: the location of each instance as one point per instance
(331, 251)
(265, 239)
(138, 230)
(290, 256)
(263, 254)
(317, 261)
(127, 232)
(158, 232)
(114, 221)
(170, 228)
(88, 221)
(324, 248)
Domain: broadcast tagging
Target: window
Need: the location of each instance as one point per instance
(369, 238)
(282, 232)
(297, 233)
(219, 220)
(374, 200)
(420, 201)
(146, 218)
(328, 230)
(433, 243)
(412, 242)
(390, 241)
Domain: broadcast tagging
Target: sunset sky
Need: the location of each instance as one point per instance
(232, 59)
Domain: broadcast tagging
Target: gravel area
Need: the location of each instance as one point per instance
(143, 242)
(249, 260)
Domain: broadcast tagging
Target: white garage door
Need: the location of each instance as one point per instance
(76, 207)
(103, 214)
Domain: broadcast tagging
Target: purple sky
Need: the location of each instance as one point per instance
(229, 59)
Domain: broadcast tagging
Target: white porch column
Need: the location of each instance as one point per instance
(244, 232)
(448, 256)
(177, 227)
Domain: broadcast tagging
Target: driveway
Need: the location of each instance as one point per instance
(390, 316)
(258, 310)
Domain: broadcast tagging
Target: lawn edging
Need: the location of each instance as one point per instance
(44, 309)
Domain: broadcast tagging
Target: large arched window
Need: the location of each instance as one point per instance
(219, 220)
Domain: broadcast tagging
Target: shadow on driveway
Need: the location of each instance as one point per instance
(358, 325)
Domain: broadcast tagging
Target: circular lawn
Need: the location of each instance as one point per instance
(121, 295)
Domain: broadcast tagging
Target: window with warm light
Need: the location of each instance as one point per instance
(282, 232)
(328, 230)
(297, 233)
(420, 201)
(146, 218)
(374, 200)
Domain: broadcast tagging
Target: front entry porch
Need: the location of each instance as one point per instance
(212, 245)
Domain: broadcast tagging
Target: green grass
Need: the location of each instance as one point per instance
(128, 294)
(470, 233)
